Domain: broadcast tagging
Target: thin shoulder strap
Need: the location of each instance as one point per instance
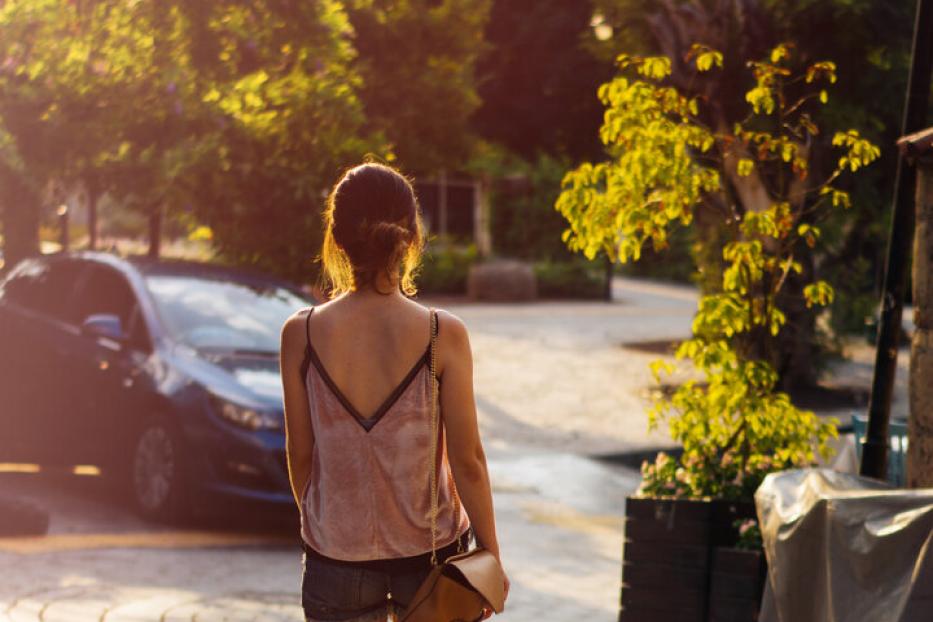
(435, 329)
(434, 437)
(306, 360)
(308, 326)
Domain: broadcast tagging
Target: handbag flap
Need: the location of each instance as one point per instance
(482, 570)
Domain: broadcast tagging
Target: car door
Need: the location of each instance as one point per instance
(107, 375)
(34, 309)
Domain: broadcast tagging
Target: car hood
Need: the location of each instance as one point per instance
(253, 378)
(260, 374)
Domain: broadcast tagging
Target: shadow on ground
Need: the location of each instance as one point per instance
(79, 504)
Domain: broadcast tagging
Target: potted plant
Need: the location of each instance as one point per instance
(737, 576)
(754, 189)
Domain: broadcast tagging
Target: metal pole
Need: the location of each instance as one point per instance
(875, 447)
(63, 232)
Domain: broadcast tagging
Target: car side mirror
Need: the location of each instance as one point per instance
(103, 325)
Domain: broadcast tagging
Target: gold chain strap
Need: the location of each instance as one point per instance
(434, 438)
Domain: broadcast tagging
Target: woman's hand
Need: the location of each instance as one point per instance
(488, 611)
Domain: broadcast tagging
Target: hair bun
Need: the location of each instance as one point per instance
(372, 227)
(384, 233)
(381, 243)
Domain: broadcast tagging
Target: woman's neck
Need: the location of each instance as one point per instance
(381, 289)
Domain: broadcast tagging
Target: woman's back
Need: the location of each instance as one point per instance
(368, 496)
(369, 345)
(359, 396)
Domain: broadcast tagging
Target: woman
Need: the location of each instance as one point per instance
(356, 373)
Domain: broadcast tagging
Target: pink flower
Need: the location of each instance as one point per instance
(744, 527)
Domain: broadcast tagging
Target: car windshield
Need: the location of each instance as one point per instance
(209, 313)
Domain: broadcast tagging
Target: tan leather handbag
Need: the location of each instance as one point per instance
(459, 589)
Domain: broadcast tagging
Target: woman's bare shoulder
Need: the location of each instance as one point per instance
(452, 329)
(293, 330)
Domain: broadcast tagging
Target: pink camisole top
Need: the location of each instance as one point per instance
(369, 495)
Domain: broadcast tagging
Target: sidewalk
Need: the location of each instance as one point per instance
(554, 384)
(559, 518)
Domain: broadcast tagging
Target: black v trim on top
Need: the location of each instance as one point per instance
(367, 423)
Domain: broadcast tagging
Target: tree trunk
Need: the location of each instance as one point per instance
(93, 193)
(920, 424)
(798, 362)
(155, 230)
(607, 285)
(794, 351)
(64, 230)
(19, 206)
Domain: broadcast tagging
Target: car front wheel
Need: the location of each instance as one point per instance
(157, 473)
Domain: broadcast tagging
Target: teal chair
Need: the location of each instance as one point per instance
(897, 447)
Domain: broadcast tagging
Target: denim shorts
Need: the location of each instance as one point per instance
(347, 591)
(341, 592)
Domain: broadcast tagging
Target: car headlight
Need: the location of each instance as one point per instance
(246, 417)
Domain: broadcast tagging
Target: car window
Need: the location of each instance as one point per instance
(225, 314)
(44, 285)
(105, 291)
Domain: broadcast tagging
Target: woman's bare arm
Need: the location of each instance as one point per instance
(299, 437)
(465, 449)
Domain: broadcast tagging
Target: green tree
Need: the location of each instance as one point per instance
(523, 217)
(665, 163)
(532, 76)
(240, 112)
(874, 37)
(84, 97)
(39, 138)
(280, 97)
(417, 62)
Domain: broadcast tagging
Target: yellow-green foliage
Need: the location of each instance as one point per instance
(664, 162)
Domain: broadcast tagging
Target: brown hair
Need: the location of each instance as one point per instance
(372, 226)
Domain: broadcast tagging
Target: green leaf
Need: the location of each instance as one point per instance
(779, 53)
(819, 293)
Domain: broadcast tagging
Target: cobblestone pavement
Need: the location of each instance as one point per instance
(559, 518)
(554, 386)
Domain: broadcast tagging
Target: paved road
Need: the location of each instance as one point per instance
(555, 384)
(557, 375)
(558, 516)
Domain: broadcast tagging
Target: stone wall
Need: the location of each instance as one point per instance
(502, 280)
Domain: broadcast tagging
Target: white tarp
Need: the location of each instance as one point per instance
(844, 548)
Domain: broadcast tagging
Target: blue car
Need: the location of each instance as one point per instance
(162, 373)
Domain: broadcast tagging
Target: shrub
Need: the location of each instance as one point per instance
(570, 279)
(524, 222)
(665, 164)
(445, 267)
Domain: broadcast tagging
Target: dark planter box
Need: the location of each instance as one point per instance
(736, 584)
(668, 565)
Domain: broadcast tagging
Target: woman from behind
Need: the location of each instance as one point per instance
(358, 395)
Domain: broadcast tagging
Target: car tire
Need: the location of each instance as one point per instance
(157, 473)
